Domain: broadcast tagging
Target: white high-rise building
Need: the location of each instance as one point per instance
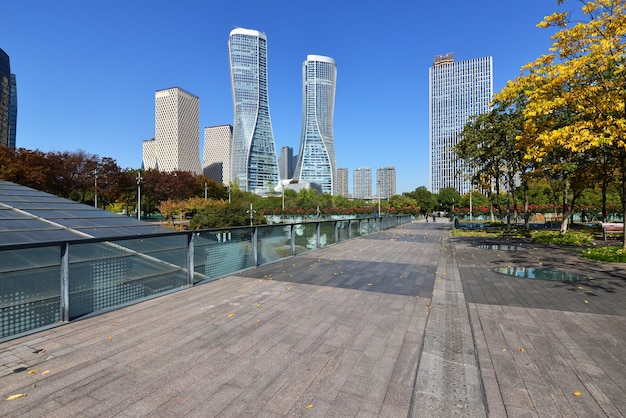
(176, 144)
(254, 165)
(216, 162)
(316, 158)
(362, 183)
(457, 91)
(386, 182)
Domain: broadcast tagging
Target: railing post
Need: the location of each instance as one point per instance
(65, 282)
(317, 233)
(190, 259)
(255, 256)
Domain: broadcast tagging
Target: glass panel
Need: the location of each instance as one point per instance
(327, 233)
(103, 275)
(306, 237)
(343, 231)
(274, 243)
(224, 252)
(356, 228)
(29, 289)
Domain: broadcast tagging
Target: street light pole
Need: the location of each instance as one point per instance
(251, 212)
(229, 189)
(378, 185)
(205, 190)
(138, 196)
(95, 188)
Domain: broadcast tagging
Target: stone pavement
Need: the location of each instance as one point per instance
(405, 322)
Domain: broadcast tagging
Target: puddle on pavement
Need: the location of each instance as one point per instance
(499, 247)
(540, 274)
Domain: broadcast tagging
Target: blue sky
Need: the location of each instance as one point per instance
(87, 70)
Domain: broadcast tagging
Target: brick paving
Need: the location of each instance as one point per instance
(406, 322)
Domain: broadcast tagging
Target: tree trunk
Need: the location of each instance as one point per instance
(566, 211)
(623, 164)
(526, 213)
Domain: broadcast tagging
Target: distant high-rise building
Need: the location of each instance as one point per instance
(286, 163)
(386, 182)
(316, 158)
(362, 178)
(457, 91)
(217, 142)
(342, 182)
(8, 102)
(176, 144)
(254, 165)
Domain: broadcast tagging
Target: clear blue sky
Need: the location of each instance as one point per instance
(87, 70)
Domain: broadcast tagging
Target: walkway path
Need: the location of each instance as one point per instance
(406, 322)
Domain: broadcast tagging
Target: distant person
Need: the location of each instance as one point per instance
(434, 217)
(426, 218)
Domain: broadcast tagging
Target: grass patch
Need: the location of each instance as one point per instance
(569, 238)
(612, 254)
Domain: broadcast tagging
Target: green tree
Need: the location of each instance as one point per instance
(582, 77)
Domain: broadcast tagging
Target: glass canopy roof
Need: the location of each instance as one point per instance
(28, 216)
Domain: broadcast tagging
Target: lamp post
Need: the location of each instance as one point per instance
(205, 190)
(378, 186)
(283, 187)
(95, 188)
(251, 212)
(229, 189)
(470, 205)
(138, 196)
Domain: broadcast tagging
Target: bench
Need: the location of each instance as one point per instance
(611, 228)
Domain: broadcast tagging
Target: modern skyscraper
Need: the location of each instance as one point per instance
(363, 183)
(8, 102)
(217, 142)
(254, 165)
(316, 158)
(176, 144)
(457, 91)
(342, 182)
(386, 182)
(286, 163)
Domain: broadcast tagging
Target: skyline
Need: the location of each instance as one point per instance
(87, 73)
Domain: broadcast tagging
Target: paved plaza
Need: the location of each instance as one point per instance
(409, 322)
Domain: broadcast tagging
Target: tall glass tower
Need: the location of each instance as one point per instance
(254, 166)
(8, 102)
(457, 91)
(316, 159)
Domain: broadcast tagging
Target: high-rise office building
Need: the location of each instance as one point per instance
(457, 91)
(8, 102)
(254, 166)
(316, 158)
(176, 144)
(342, 182)
(216, 162)
(286, 163)
(362, 178)
(386, 182)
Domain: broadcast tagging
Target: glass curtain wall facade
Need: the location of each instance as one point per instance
(254, 166)
(457, 91)
(8, 102)
(316, 158)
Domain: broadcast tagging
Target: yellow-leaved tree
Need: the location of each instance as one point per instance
(576, 93)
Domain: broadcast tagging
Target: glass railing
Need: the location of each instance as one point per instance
(46, 284)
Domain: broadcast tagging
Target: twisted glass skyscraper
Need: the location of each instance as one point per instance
(254, 166)
(457, 91)
(316, 159)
